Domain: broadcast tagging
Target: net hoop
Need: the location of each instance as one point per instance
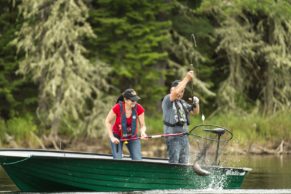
(192, 132)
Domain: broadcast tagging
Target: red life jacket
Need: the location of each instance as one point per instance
(124, 129)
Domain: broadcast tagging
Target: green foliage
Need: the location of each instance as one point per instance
(154, 124)
(2, 131)
(130, 37)
(241, 56)
(21, 128)
(51, 38)
(190, 47)
(253, 40)
(253, 128)
(17, 95)
(247, 129)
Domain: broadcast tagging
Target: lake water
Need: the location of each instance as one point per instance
(271, 174)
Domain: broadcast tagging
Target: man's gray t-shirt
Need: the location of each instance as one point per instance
(169, 116)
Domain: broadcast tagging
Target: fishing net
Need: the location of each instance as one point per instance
(207, 142)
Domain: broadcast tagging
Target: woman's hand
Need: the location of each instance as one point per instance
(109, 123)
(114, 140)
(143, 135)
(143, 128)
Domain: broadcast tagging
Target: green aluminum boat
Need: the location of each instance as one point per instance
(61, 171)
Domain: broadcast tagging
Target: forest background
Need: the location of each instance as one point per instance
(63, 63)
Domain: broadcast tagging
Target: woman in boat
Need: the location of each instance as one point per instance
(176, 119)
(123, 122)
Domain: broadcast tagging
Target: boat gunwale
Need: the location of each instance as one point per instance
(94, 156)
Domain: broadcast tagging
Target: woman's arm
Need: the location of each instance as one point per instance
(142, 126)
(108, 124)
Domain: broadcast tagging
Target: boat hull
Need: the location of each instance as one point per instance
(66, 171)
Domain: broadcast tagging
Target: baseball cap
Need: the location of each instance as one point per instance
(131, 94)
(175, 83)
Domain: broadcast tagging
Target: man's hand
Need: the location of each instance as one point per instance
(190, 75)
(195, 105)
(195, 100)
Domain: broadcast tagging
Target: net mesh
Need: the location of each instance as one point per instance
(205, 140)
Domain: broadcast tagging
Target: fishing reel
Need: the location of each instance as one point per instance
(195, 101)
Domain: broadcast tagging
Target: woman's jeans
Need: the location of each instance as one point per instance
(133, 147)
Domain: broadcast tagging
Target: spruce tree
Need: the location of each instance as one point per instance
(17, 95)
(51, 39)
(254, 39)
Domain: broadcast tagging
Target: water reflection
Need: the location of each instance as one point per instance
(269, 172)
(5, 183)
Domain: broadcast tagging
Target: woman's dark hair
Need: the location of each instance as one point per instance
(120, 99)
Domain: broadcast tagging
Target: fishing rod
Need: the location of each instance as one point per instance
(215, 129)
(155, 136)
(125, 140)
(191, 65)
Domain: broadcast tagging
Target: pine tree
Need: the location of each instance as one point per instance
(131, 37)
(189, 33)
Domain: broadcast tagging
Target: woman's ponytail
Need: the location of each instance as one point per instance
(120, 99)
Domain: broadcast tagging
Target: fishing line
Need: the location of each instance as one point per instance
(192, 68)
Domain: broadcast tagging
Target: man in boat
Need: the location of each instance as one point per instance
(176, 119)
(122, 124)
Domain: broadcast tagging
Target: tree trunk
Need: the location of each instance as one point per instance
(268, 91)
(55, 124)
(269, 78)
